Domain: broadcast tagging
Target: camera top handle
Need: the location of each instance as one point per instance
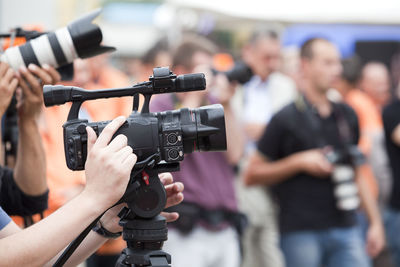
(162, 81)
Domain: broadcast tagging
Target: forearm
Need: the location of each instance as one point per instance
(30, 168)
(39, 243)
(254, 130)
(367, 200)
(89, 245)
(261, 171)
(234, 136)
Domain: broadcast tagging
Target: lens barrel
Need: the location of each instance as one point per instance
(202, 129)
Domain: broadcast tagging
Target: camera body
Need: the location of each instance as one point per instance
(169, 134)
(344, 161)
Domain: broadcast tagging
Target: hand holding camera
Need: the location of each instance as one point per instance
(109, 164)
(8, 84)
(314, 162)
(30, 92)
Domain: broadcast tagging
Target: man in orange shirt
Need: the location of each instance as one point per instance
(368, 116)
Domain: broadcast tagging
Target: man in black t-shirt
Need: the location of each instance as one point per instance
(391, 123)
(291, 157)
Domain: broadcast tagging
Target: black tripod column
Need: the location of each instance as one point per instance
(144, 238)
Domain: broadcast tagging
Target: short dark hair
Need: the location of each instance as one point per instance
(160, 46)
(306, 50)
(261, 34)
(191, 44)
(351, 69)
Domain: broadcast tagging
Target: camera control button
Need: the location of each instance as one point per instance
(82, 128)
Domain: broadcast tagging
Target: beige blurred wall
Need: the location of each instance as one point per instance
(51, 14)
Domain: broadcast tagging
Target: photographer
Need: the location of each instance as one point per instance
(24, 190)
(264, 94)
(107, 169)
(317, 228)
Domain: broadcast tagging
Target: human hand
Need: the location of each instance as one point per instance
(174, 197)
(8, 84)
(375, 239)
(30, 91)
(314, 162)
(108, 165)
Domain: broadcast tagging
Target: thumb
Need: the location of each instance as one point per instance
(92, 137)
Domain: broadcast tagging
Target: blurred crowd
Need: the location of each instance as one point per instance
(311, 175)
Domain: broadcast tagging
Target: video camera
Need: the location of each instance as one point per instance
(159, 140)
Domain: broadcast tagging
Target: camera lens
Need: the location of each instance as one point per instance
(203, 129)
(80, 38)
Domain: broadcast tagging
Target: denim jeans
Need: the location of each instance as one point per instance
(335, 247)
(392, 227)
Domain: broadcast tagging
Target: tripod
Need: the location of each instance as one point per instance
(144, 238)
(144, 229)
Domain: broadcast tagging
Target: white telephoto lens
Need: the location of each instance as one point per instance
(342, 173)
(67, 45)
(44, 54)
(348, 204)
(13, 57)
(345, 190)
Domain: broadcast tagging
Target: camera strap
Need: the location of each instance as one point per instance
(314, 123)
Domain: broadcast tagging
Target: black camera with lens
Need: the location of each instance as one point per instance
(159, 140)
(343, 176)
(240, 72)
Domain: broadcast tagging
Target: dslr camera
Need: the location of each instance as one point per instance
(79, 39)
(344, 161)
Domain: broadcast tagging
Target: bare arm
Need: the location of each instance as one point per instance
(37, 244)
(396, 135)
(375, 234)
(8, 84)
(30, 167)
(108, 166)
(260, 170)
(254, 130)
